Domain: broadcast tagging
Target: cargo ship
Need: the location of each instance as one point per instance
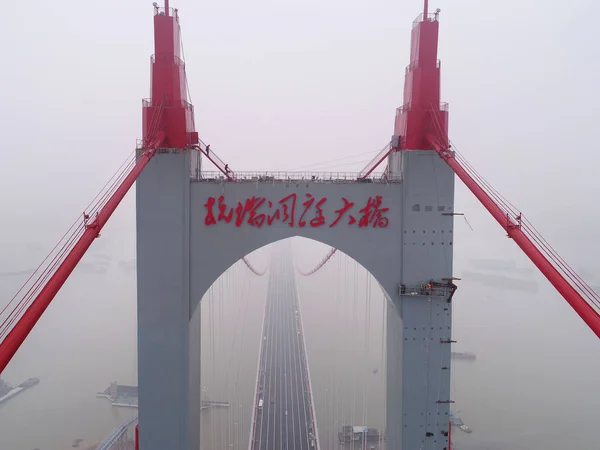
(8, 392)
(463, 355)
(121, 395)
(124, 396)
(501, 274)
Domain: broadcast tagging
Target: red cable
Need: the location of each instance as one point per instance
(11, 343)
(23, 303)
(327, 257)
(520, 237)
(533, 233)
(543, 245)
(252, 269)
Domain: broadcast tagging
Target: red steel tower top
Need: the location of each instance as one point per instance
(422, 113)
(168, 93)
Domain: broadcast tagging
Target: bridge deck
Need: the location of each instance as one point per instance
(285, 419)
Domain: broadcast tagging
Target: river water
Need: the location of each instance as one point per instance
(532, 386)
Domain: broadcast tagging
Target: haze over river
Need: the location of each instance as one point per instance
(532, 386)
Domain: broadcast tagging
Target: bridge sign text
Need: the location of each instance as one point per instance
(258, 211)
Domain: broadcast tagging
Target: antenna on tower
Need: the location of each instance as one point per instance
(425, 9)
(167, 7)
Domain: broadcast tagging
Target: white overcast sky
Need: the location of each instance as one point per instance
(289, 84)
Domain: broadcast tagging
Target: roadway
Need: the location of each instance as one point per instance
(284, 422)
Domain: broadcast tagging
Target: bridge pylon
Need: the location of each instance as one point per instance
(168, 322)
(419, 327)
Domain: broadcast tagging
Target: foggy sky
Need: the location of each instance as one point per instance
(297, 84)
(292, 85)
(288, 85)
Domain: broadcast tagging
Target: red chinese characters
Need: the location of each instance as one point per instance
(340, 212)
(295, 212)
(372, 214)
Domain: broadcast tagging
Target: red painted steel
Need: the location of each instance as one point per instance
(23, 327)
(167, 113)
(374, 163)
(216, 161)
(421, 93)
(422, 124)
(169, 86)
(137, 437)
(421, 86)
(589, 315)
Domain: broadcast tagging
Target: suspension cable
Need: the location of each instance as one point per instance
(571, 286)
(35, 296)
(327, 257)
(252, 269)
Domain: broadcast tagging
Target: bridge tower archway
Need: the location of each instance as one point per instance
(343, 311)
(191, 229)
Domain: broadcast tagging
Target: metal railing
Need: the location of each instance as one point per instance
(121, 438)
(167, 58)
(430, 18)
(415, 65)
(202, 149)
(294, 177)
(443, 106)
(403, 108)
(160, 11)
(147, 103)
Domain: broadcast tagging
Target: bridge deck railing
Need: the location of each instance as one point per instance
(294, 177)
(116, 439)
